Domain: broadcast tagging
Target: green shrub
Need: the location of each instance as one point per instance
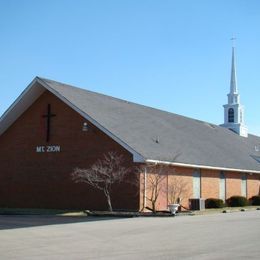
(212, 203)
(237, 201)
(255, 200)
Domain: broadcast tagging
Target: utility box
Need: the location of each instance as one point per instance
(197, 204)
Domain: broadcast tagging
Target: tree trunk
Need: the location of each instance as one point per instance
(108, 200)
(154, 206)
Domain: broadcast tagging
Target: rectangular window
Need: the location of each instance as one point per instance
(222, 186)
(196, 184)
(244, 185)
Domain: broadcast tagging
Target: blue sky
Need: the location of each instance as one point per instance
(169, 54)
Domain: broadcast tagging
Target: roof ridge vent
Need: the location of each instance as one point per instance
(156, 139)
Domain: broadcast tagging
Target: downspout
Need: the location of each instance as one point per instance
(225, 187)
(167, 190)
(200, 183)
(144, 193)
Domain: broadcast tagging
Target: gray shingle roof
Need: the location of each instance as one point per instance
(181, 139)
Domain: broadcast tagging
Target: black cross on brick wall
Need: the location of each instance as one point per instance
(48, 117)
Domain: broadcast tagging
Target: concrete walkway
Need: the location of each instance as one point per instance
(220, 236)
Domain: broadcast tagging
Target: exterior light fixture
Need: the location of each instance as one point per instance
(85, 127)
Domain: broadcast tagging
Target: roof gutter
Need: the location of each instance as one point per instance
(200, 166)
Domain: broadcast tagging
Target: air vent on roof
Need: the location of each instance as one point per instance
(156, 139)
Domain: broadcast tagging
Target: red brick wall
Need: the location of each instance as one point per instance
(43, 180)
(183, 177)
(153, 181)
(209, 184)
(253, 185)
(233, 184)
(171, 175)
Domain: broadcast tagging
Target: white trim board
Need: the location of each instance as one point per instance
(200, 166)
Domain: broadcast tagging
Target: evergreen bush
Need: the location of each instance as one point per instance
(237, 201)
(255, 200)
(212, 203)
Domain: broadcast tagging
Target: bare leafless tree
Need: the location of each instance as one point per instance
(160, 180)
(154, 183)
(177, 189)
(103, 174)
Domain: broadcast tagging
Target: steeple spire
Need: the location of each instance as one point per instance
(233, 80)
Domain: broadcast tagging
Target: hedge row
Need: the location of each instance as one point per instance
(234, 201)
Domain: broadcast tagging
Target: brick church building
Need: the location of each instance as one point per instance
(52, 128)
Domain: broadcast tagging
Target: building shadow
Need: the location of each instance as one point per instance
(26, 221)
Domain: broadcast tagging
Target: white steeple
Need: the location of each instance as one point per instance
(234, 111)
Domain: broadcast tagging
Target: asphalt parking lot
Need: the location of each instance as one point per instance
(219, 236)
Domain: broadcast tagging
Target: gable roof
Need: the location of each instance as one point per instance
(149, 134)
